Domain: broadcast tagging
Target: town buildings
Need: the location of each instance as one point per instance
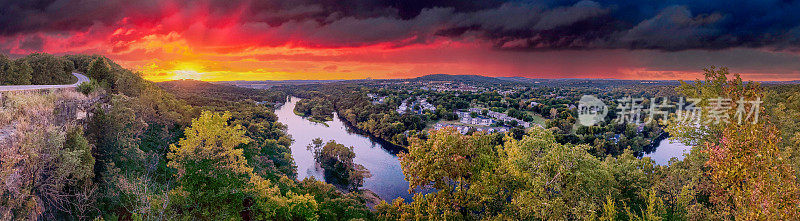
(421, 106)
(467, 119)
(464, 129)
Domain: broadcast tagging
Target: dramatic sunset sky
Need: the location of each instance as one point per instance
(329, 39)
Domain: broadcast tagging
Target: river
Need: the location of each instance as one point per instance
(387, 177)
(666, 149)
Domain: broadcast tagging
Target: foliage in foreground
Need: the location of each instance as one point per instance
(215, 180)
(735, 172)
(142, 156)
(118, 166)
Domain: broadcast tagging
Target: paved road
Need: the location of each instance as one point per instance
(81, 79)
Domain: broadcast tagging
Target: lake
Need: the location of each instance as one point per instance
(387, 177)
(666, 149)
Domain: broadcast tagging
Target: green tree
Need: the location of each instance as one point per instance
(49, 69)
(337, 161)
(76, 158)
(211, 170)
(100, 71)
(14, 72)
(751, 176)
(215, 180)
(480, 177)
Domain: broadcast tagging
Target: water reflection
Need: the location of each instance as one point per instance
(667, 149)
(387, 177)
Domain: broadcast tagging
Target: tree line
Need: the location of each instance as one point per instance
(146, 153)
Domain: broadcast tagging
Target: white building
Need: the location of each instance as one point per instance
(462, 114)
(403, 107)
(477, 121)
(499, 116)
(465, 129)
(422, 103)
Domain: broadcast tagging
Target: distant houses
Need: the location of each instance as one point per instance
(442, 86)
(464, 129)
(477, 121)
(376, 99)
(467, 119)
(421, 103)
(403, 107)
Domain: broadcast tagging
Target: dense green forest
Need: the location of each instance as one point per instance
(735, 171)
(316, 109)
(144, 153)
(36, 68)
(124, 148)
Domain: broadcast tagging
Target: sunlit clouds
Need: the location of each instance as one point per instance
(278, 40)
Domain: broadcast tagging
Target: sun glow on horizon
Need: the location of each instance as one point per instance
(186, 74)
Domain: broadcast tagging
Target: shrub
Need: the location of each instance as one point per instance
(87, 87)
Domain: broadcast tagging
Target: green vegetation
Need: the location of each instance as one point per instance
(199, 93)
(337, 161)
(49, 69)
(88, 87)
(100, 71)
(735, 172)
(316, 109)
(14, 72)
(146, 154)
(355, 108)
(490, 177)
(47, 164)
(128, 149)
(215, 180)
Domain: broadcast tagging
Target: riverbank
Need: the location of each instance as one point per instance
(312, 118)
(654, 143)
(391, 147)
(665, 149)
(387, 180)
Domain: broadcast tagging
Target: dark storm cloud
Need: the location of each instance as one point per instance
(54, 15)
(33, 43)
(513, 25)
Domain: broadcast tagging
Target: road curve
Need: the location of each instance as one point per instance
(81, 79)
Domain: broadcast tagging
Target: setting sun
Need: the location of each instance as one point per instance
(186, 74)
(187, 70)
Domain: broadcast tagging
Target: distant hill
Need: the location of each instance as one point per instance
(519, 79)
(204, 93)
(270, 84)
(461, 78)
(587, 82)
(781, 82)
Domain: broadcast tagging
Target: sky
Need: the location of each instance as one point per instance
(220, 40)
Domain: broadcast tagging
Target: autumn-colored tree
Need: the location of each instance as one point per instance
(750, 173)
(215, 180)
(211, 170)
